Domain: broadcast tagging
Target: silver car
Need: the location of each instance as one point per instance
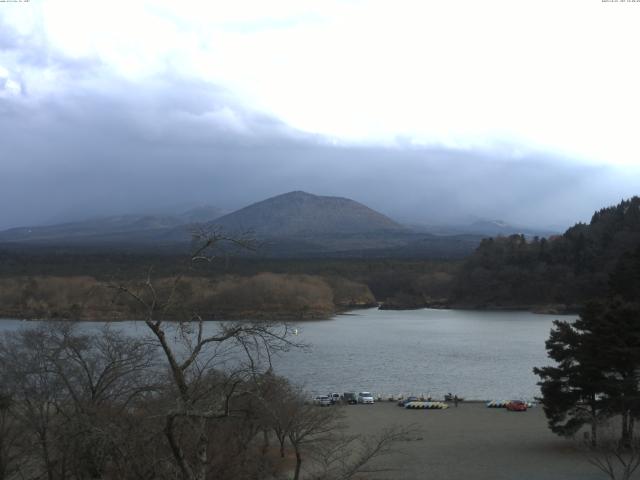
(365, 397)
(322, 400)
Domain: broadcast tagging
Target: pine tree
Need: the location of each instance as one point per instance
(617, 328)
(597, 371)
(572, 391)
(625, 278)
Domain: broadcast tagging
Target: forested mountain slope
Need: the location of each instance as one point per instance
(567, 270)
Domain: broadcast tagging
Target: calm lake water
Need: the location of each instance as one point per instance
(478, 355)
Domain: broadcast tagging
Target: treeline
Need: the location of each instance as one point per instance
(60, 284)
(265, 295)
(565, 270)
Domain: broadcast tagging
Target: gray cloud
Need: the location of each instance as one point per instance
(103, 145)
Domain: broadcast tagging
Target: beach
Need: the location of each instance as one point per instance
(472, 442)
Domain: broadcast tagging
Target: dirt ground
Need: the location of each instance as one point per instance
(473, 442)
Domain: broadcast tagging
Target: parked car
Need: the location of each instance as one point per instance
(350, 398)
(403, 402)
(365, 398)
(322, 400)
(334, 397)
(516, 406)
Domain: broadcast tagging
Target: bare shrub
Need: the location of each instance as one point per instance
(70, 392)
(617, 459)
(349, 294)
(268, 293)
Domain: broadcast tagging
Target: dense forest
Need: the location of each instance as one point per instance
(555, 274)
(49, 283)
(563, 271)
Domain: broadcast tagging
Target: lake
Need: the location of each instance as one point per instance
(475, 354)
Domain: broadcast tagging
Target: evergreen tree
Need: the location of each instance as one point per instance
(572, 391)
(597, 371)
(617, 328)
(625, 279)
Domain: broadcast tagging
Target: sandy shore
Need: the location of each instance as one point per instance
(473, 442)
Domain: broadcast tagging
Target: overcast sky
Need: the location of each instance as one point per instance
(431, 112)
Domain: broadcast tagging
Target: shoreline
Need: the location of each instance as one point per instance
(287, 318)
(540, 309)
(290, 317)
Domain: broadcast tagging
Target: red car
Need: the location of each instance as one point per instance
(516, 406)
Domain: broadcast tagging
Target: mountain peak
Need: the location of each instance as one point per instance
(296, 193)
(299, 213)
(299, 195)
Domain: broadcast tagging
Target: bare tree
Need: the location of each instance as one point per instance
(310, 426)
(318, 436)
(278, 402)
(331, 453)
(194, 350)
(12, 439)
(103, 374)
(614, 457)
(27, 375)
(71, 392)
(345, 456)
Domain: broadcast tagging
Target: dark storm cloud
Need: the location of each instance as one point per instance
(102, 145)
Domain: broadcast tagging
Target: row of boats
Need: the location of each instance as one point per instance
(426, 405)
(511, 405)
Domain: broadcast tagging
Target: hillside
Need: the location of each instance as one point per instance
(292, 225)
(299, 224)
(119, 229)
(564, 270)
(300, 214)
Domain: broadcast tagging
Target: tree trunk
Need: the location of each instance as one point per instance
(45, 453)
(175, 448)
(594, 425)
(625, 440)
(282, 447)
(265, 442)
(298, 465)
(203, 444)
